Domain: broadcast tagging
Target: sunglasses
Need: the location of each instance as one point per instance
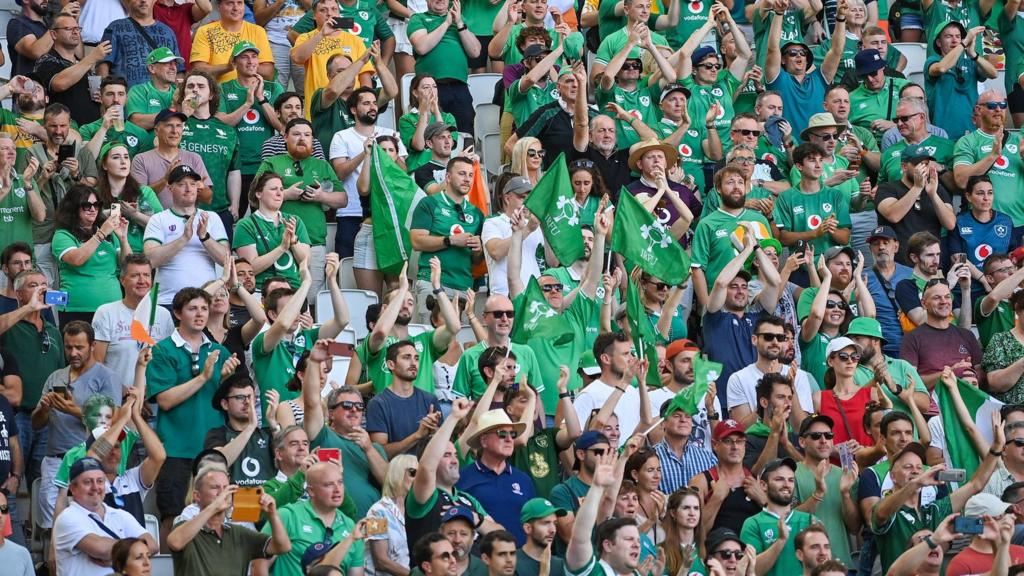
(503, 434)
(598, 451)
(298, 169)
(556, 287)
(460, 211)
(832, 305)
(195, 364)
(501, 313)
(446, 556)
(996, 105)
(44, 343)
(411, 472)
(847, 356)
(581, 164)
(1018, 442)
(89, 205)
(658, 285)
(819, 435)
(772, 337)
(349, 405)
(904, 119)
(711, 66)
(632, 66)
(796, 53)
(727, 554)
(748, 133)
(745, 160)
(826, 137)
(535, 153)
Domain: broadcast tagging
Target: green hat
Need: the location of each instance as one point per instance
(539, 508)
(917, 152)
(107, 148)
(564, 71)
(862, 326)
(161, 55)
(573, 48)
(764, 243)
(243, 46)
(588, 363)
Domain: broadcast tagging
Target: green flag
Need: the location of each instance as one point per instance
(980, 406)
(553, 203)
(535, 318)
(391, 195)
(689, 399)
(643, 240)
(644, 338)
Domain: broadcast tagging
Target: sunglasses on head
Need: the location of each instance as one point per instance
(772, 337)
(996, 105)
(86, 205)
(748, 133)
(727, 554)
(848, 356)
(554, 287)
(576, 164)
(819, 435)
(349, 405)
(501, 313)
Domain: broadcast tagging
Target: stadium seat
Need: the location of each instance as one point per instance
(481, 87)
(997, 83)
(357, 300)
(406, 82)
(40, 543)
(916, 78)
(488, 136)
(465, 336)
(161, 565)
(417, 329)
(915, 53)
(339, 370)
(387, 119)
(153, 527)
(348, 278)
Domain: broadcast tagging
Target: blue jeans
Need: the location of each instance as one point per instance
(33, 446)
(867, 557)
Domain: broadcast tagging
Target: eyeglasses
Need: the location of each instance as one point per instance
(633, 66)
(826, 137)
(832, 304)
(86, 205)
(241, 397)
(535, 153)
(847, 356)
(772, 337)
(349, 405)
(1005, 270)
(996, 105)
(796, 53)
(298, 168)
(727, 554)
(745, 160)
(581, 164)
(503, 434)
(710, 66)
(905, 119)
(748, 133)
(555, 287)
(501, 313)
(195, 364)
(411, 472)
(819, 435)
(71, 29)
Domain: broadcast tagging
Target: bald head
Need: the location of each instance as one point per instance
(992, 119)
(498, 315)
(325, 486)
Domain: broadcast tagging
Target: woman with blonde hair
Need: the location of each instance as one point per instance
(683, 539)
(389, 552)
(527, 158)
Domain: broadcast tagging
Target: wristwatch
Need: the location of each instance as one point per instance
(932, 544)
(204, 238)
(262, 102)
(447, 240)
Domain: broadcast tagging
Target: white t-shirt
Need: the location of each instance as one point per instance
(742, 388)
(192, 266)
(96, 15)
(627, 409)
(75, 523)
(500, 228)
(701, 434)
(113, 324)
(348, 144)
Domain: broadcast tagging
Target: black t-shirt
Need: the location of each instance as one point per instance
(17, 28)
(235, 344)
(920, 218)
(552, 125)
(429, 173)
(77, 98)
(8, 427)
(614, 169)
(239, 315)
(255, 465)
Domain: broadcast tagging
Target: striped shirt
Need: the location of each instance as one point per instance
(675, 471)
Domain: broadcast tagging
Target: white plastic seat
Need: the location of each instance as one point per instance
(417, 329)
(356, 300)
(161, 565)
(153, 527)
(481, 87)
(348, 278)
(915, 53)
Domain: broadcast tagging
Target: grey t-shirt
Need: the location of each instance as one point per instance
(16, 560)
(398, 417)
(65, 431)
(527, 566)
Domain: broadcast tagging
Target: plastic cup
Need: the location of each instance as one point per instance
(326, 186)
(119, 121)
(94, 83)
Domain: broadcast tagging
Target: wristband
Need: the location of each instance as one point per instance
(262, 102)
(998, 454)
(932, 545)
(840, 19)
(204, 238)
(447, 241)
(437, 291)
(460, 29)
(564, 395)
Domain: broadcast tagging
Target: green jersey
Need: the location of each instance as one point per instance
(565, 349)
(367, 22)
(901, 371)
(1000, 320)
(1007, 172)
(690, 149)
(253, 129)
(136, 139)
(330, 120)
(702, 97)
(1011, 32)
(17, 218)
(713, 200)
(608, 23)
(829, 510)
(439, 215)
(445, 61)
(407, 127)
(765, 151)
(792, 31)
(569, 282)
(595, 567)
(941, 13)
(797, 211)
(356, 473)
(692, 15)
(866, 106)
(79, 451)
(641, 103)
(217, 143)
(762, 529)
(892, 169)
(521, 104)
(850, 48)
(275, 367)
(812, 355)
(712, 246)
(305, 528)
(377, 369)
(470, 384)
(614, 42)
(510, 53)
(92, 283)
(479, 16)
(307, 172)
(42, 352)
(148, 99)
(895, 534)
(850, 188)
(266, 235)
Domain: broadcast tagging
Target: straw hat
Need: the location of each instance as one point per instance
(491, 420)
(637, 151)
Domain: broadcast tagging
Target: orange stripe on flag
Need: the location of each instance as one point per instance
(479, 197)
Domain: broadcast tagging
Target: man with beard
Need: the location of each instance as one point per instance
(301, 175)
(328, 110)
(151, 168)
(401, 415)
(64, 74)
(112, 322)
(246, 445)
(437, 137)
(288, 107)
(63, 393)
(867, 332)
(498, 317)
(146, 100)
(885, 274)
(27, 38)
(113, 92)
(30, 105)
(498, 551)
(937, 342)
(680, 460)
(679, 356)
(614, 354)
(393, 326)
(846, 268)
(348, 149)
(433, 487)
(824, 489)
(131, 40)
(913, 129)
(770, 340)
(246, 279)
(457, 527)
(712, 246)
(588, 450)
(924, 251)
(538, 517)
(769, 530)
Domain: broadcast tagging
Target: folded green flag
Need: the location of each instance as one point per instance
(391, 196)
(642, 240)
(980, 406)
(644, 338)
(553, 203)
(689, 399)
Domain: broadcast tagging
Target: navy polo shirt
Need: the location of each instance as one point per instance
(502, 495)
(731, 335)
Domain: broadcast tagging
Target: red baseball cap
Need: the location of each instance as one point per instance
(727, 428)
(677, 346)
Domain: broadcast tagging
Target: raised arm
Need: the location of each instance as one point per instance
(183, 534)
(445, 333)
(425, 482)
(602, 227)
(339, 320)
(810, 325)
(389, 314)
(984, 471)
(581, 550)
(830, 65)
(284, 321)
(514, 260)
(773, 57)
(313, 421)
(716, 299)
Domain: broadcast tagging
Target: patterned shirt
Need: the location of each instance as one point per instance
(675, 471)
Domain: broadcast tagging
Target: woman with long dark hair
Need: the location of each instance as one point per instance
(683, 542)
(588, 188)
(88, 247)
(117, 185)
(644, 469)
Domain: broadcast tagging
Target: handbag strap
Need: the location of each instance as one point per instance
(892, 87)
(885, 284)
(842, 413)
(152, 43)
(104, 527)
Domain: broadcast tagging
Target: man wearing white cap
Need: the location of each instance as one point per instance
(980, 554)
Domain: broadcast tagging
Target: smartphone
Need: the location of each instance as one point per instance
(967, 525)
(247, 505)
(958, 258)
(845, 456)
(800, 247)
(340, 349)
(952, 475)
(343, 23)
(115, 211)
(328, 454)
(60, 389)
(55, 298)
(64, 152)
(376, 526)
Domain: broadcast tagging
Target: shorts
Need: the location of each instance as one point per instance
(912, 22)
(364, 255)
(402, 44)
(1016, 99)
(172, 486)
(481, 60)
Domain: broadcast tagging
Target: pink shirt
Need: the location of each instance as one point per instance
(178, 18)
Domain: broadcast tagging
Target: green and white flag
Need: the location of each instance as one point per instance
(691, 398)
(535, 318)
(392, 192)
(643, 241)
(980, 406)
(553, 203)
(644, 338)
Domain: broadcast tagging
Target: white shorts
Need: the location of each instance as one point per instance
(402, 44)
(364, 255)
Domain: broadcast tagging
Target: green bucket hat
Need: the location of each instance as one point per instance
(869, 327)
(588, 363)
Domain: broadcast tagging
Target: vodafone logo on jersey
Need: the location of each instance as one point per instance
(1002, 162)
(982, 252)
(685, 150)
(813, 221)
(456, 229)
(695, 7)
(251, 117)
(767, 157)
(356, 29)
